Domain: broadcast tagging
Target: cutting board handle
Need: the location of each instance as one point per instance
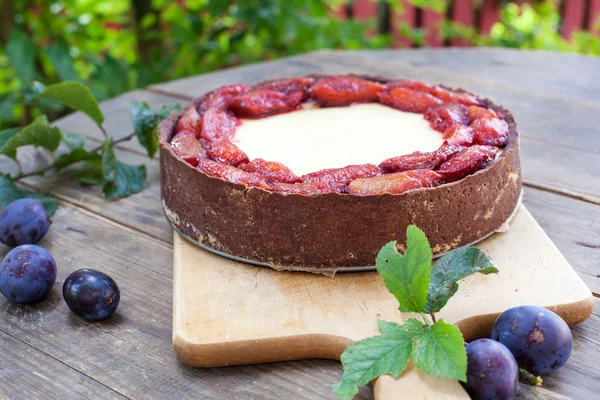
(414, 384)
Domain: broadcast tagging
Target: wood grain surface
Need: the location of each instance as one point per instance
(46, 352)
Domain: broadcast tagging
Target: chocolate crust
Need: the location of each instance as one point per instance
(325, 232)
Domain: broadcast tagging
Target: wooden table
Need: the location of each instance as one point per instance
(47, 352)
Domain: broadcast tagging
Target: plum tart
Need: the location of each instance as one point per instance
(317, 173)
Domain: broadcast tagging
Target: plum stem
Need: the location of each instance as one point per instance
(103, 131)
(528, 378)
(425, 319)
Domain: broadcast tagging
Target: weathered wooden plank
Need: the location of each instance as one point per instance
(29, 373)
(562, 174)
(527, 392)
(574, 227)
(132, 352)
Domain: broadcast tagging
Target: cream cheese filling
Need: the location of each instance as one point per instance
(312, 139)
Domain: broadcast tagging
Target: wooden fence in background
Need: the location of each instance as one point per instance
(575, 15)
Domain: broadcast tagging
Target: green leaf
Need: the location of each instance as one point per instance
(7, 104)
(407, 276)
(413, 327)
(146, 121)
(37, 134)
(90, 173)
(109, 161)
(144, 126)
(440, 351)
(386, 327)
(129, 179)
(164, 111)
(31, 91)
(7, 134)
(41, 119)
(74, 95)
(75, 156)
(21, 52)
(9, 192)
(73, 140)
(62, 62)
(370, 358)
(112, 76)
(451, 268)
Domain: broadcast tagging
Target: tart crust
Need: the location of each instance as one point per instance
(325, 232)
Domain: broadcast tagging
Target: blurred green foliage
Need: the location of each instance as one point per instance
(117, 45)
(530, 26)
(536, 26)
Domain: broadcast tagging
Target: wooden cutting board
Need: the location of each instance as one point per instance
(229, 313)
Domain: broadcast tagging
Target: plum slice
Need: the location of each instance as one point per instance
(468, 161)
(186, 146)
(226, 152)
(263, 103)
(190, 121)
(444, 116)
(272, 171)
(408, 100)
(334, 177)
(336, 91)
(420, 160)
(490, 131)
(396, 183)
(231, 174)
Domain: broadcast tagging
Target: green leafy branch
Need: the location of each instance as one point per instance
(98, 165)
(436, 347)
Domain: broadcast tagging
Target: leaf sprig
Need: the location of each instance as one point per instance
(436, 347)
(98, 165)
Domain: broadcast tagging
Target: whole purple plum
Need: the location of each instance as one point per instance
(23, 221)
(27, 274)
(91, 294)
(492, 371)
(540, 340)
